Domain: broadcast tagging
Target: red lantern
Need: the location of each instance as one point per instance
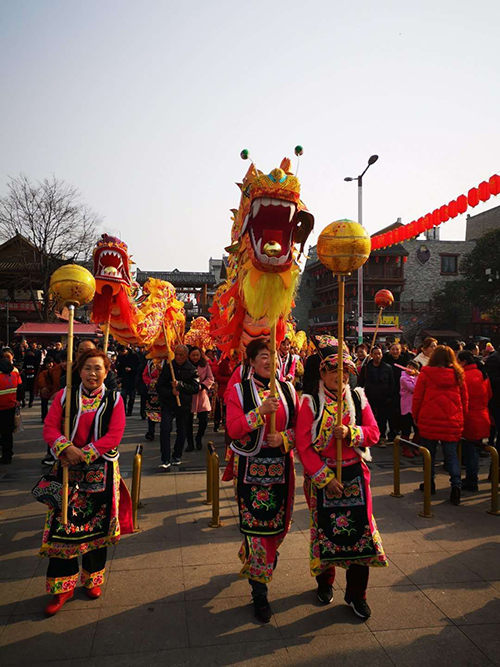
(452, 209)
(494, 184)
(412, 230)
(405, 259)
(436, 217)
(384, 298)
(428, 222)
(377, 258)
(420, 225)
(462, 204)
(483, 191)
(444, 215)
(473, 197)
(390, 238)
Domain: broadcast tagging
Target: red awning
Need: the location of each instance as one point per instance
(56, 329)
(382, 330)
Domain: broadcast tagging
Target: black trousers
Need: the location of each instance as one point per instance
(381, 413)
(168, 415)
(45, 407)
(219, 412)
(6, 432)
(202, 427)
(92, 562)
(144, 398)
(30, 388)
(356, 580)
(128, 395)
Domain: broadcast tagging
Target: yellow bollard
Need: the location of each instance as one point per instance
(215, 522)
(136, 488)
(396, 454)
(494, 481)
(427, 514)
(208, 501)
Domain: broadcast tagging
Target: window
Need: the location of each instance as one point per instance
(449, 265)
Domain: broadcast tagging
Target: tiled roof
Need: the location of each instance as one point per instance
(179, 278)
(56, 329)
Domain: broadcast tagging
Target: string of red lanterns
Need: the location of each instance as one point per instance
(457, 206)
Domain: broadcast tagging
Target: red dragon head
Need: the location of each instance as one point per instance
(111, 264)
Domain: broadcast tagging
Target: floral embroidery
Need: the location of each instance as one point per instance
(253, 555)
(265, 470)
(254, 419)
(92, 403)
(59, 445)
(248, 519)
(288, 439)
(323, 476)
(90, 453)
(262, 498)
(89, 580)
(352, 495)
(357, 436)
(342, 523)
(56, 585)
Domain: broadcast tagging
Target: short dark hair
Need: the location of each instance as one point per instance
(255, 346)
(363, 345)
(471, 345)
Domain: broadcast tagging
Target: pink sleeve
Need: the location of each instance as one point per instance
(115, 431)
(52, 428)
(238, 424)
(209, 379)
(313, 464)
(418, 396)
(371, 432)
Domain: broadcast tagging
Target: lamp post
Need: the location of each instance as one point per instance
(371, 160)
(7, 317)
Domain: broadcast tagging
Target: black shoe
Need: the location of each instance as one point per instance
(359, 606)
(216, 429)
(149, 436)
(262, 609)
(176, 461)
(455, 495)
(469, 486)
(325, 594)
(190, 448)
(143, 416)
(198, 445)
(4, 461)
(433, 488)
(129, 414)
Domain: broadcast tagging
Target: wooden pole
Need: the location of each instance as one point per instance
(340, 398)
(272, 379)
(177, 398)
(106, 335)
(379, 318)
(67, 414)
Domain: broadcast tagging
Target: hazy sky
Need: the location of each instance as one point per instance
(146, 105)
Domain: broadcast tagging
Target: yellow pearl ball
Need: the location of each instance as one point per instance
(72, 284)
(343, 246)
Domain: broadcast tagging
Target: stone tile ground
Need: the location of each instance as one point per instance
(172, 595)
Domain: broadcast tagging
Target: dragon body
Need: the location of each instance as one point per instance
(263, 269)
(134, 319)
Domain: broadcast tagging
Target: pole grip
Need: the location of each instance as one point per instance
(106, 335)
(396, 452)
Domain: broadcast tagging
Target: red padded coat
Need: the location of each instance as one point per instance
(477, 421)
(439, 404)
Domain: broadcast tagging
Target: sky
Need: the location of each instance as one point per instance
(145, 107)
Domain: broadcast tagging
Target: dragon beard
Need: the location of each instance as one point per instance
(269, 295)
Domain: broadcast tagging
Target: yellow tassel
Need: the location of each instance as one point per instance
(269, 295)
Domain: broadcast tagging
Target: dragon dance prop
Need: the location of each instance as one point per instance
(383, 299)
(263, 272)
(73, 286)
(455, 207)
(343, 247)
(199, 334)
(154, 319)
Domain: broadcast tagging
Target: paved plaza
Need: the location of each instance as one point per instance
(172, 595)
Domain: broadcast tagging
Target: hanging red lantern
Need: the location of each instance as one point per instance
(397, 260)
(494, 184)
(386, 260)
(384, 298)
(377, 259)
(428, 222)
(405, 259)
(483, 191)
(462, 204)
(420, 225)
(444, 215)
(473, 197)
(452, 209)
(436, 217)
(412, 230)
(390, 238)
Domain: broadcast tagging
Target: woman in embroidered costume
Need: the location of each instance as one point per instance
(262, 468)
(150, 377)
(99, 507)
(343, 529)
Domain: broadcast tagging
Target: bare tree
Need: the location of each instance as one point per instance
(58, 225)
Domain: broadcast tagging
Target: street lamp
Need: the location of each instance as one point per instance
(371, 160)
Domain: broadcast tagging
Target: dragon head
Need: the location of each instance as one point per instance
(111, 264)
(271, 218)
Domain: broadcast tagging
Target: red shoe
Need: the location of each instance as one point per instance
(94, 592)
(58, 602)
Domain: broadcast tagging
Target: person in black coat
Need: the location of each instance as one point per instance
(396, 358)
(127, 367)
(377, 379)
(184, 386)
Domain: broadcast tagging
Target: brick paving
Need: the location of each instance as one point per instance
(172, 595)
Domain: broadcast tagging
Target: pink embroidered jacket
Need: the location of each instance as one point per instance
(320, 465)
(93, 449)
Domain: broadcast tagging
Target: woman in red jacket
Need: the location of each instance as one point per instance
(477, 421)
(440, 405)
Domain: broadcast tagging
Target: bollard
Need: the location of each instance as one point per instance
(396, 454)
(215, 522)
(494, 480)
(427, 514)
(136, 488)
(208, 501)
(459, 453)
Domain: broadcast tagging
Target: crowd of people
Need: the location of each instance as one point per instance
(434, 395)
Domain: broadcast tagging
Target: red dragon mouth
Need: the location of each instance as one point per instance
(111, 264)
(271, 224)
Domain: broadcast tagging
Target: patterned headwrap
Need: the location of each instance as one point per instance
(331, 363)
